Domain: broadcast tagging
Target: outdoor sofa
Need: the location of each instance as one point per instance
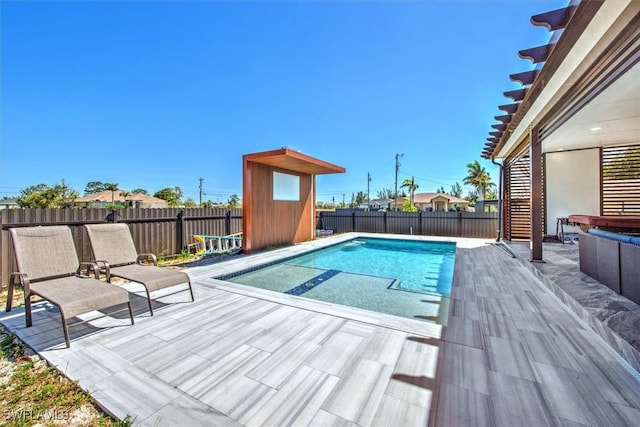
(613, 259)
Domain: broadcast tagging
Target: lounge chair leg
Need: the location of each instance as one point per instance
(27, 309)
(149, 301)
(65, 327)
(191, 292)
(9, 296)
(131, 313)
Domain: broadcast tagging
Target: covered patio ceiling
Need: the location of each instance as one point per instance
(587, 93)
(612, 118)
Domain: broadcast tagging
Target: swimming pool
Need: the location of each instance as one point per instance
(405, 278)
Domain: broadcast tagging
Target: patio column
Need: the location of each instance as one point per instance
(535, 156)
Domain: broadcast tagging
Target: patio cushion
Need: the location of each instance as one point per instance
(610, 235)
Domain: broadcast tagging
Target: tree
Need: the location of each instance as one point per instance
(441, 190)
(45, 196)
(492, 193)
(189, 203)
(623, 164)
(407, 206)
(173, 196)
(113, 187)
(358, 199)
(94, 187)
(411, 185)
(472, 197)
(140, 191)
(456, 190)
(124, 195)
(478, 178)
(385, 193)
(207, 204)
(233, 201)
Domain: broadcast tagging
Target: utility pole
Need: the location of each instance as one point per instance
(398, 157)
(200, 179)
(368, 199)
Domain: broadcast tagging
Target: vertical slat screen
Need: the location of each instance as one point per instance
(621, 180)
(518, 185)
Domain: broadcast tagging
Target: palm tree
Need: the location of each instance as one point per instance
(412, 186)
(113, 187)
(124, 195)
(479, 178)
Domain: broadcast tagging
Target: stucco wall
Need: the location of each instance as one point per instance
(573, 184)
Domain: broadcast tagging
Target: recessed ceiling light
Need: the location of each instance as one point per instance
(595, 128)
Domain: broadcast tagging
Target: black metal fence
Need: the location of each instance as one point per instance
(452, 224)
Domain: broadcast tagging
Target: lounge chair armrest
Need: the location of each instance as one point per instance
(88, 268)
(103, 267)
(19, 279)
(145, 258)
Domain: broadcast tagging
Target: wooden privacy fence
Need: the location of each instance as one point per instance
(160, 231)
(452, 224)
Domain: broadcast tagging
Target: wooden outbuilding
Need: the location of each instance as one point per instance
(278, 197)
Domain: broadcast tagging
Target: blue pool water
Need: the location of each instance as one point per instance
(402, 277)
(417, 266)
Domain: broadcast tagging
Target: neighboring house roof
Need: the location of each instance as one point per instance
(105, 196)
(429, 197)
(9, 202)
(380, 201)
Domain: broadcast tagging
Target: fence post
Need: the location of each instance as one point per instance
(459, 224)
(179, 232)
(353, 221)
(227, 223)
(112, 217)
(384, 221)
(420, 223)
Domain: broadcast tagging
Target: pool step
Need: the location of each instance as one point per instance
(310, 284)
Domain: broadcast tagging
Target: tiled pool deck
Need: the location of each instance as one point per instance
(511, 354)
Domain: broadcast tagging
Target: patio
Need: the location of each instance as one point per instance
(511, 354)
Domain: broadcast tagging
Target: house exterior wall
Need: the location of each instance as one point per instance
(270, 222)
(572, 184)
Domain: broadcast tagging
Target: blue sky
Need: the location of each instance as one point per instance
(158, 94)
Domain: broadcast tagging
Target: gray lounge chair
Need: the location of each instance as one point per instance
(116, 255)
(48, 266)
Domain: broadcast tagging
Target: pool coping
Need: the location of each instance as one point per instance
(259, 260)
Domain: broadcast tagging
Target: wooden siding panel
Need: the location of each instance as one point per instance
(278, 222)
